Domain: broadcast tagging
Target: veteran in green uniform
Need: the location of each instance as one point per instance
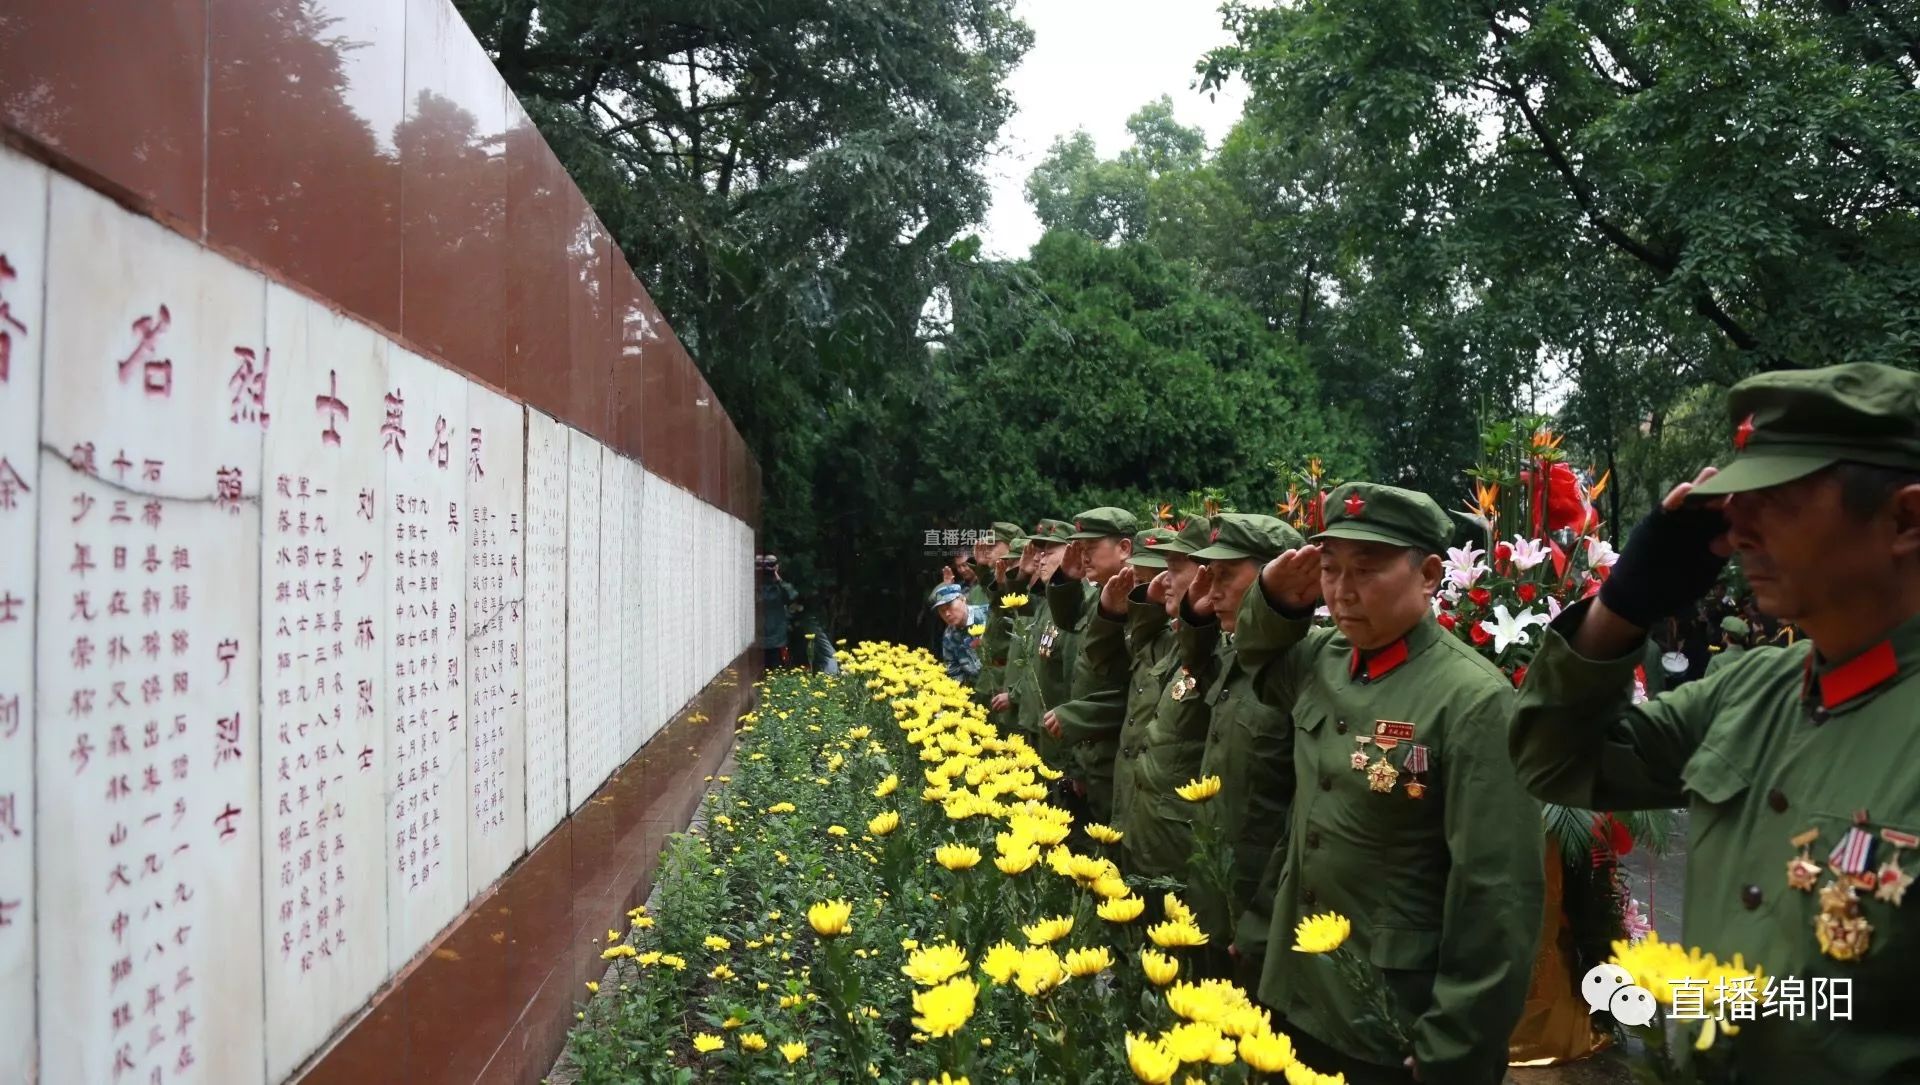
(1131, 652)
(1801, 766)
(1736, 633)
(992, 558)
(1407, 817)
(1249, 743)
(1099, 547)
(1048, 545)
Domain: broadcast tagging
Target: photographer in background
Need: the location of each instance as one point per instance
(778, 602)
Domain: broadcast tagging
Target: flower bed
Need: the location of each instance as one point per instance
(881, 892)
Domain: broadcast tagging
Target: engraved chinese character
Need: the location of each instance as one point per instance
(227, 739)
(11, 484)
(227, 488)
(331, 407)
(438, 453)
(7, 320)
(393, 431)
(248, 386)
(474, 470)
(156, 373)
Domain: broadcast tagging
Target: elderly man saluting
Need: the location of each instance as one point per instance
(1407, 817)
(1797, 764)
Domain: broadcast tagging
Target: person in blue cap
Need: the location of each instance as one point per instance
(964, 622)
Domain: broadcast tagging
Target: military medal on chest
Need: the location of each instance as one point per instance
(1387, 734)
(1891, 882)
(1359, 758)
(1413, 765)
(1184, 684)
(1802, 871)
(1046, 640)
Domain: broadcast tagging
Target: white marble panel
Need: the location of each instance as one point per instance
(586, 725)
(148, 668)
(613, 602)
(423, 431)
(633, 645)
(323, 573)
(546, 613)
(496, 631)
(23, 258)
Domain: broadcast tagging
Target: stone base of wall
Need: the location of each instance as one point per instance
(492, 1000)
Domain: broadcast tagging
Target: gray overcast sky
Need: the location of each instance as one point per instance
(1093, 63)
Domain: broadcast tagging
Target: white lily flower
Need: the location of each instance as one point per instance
(1528, 553)
(1600, 553)
(1464, 566)
(1511, 629)
(1553, 608)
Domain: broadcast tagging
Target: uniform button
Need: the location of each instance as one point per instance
(1313, 838)
(1326, 783)
(1341, 727)
(1750, 897)
(1778, 800)
(1307, 898)
(1819, 714)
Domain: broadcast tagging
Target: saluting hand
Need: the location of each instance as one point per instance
(1292, 580)
(946, 574)
(1073, 561)
(1159, 587)
(1113, 594)
(1200, 593)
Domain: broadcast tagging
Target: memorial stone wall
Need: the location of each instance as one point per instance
(375, 565)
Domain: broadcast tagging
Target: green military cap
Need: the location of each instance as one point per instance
(1143, 555)
(1017, 544)
(1189, 535)
(1104, 522)
(1248, 535)
(1051, 531)
(1737, 626)
(1006, 532)
(1371, 512)
(1789, 424)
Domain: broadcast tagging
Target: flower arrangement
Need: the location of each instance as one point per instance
(778, 950)
(1697, 998)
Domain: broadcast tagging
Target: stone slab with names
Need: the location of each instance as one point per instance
(585, 635)
(423, 431)
(494, 453)
(23, 247)
(154, 381)
(636, 649)
(613, 602)
(546, 625)
(323, 675)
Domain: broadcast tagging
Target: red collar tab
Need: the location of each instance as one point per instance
(1379, 664)
(1856, 677)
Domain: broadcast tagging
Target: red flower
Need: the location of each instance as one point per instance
(1611, 833)
(1526, 592)
(1447, 621)
(1590, 587)
(1478, 634)
(1446, 603)
(1519, 676)
(1503, 552)
(1480, 596)
(1566, 502)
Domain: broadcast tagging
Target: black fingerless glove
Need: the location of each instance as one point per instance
(1667, 564)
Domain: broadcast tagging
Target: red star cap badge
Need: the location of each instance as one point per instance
(1077, 527)
(1215, 537)
(1742, 433)
(1355, 505)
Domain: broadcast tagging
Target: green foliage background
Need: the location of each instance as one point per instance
(1432, 214)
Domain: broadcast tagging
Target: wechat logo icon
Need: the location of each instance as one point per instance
(1609, 987)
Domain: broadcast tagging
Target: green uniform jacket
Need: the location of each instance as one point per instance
(1022, 681)
(1159, 828)
(1250, 747)
(1724, 658)
(1062, 627)
(993, 648)
(1114, 690)
(1756, 765)
(1445, 890)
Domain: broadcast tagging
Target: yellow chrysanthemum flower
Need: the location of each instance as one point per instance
(612, 953)
(1269, 1053)
(836, 830)
(1159, 967)
(1198, 1041)
(707, 1042)
(716, 943)
(1040, 971)
(1002, 960)
(829, 918)
(781, 808)
(674, 961)
(1046, 931)
(1013, 601)
(884, 823)
(1175, 935)
(1105, 834)
(942, 1010)
(1087, 962)
(794, 1051)
(1199, 790)
(1121, 909)
(935, 964)
(1177, 910)
(976, 630)
(1017, 862)
(957, 856)
(752, 1041)
(1321, 933)
(887, 786)
(1150, 1061)
(1111, 887)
